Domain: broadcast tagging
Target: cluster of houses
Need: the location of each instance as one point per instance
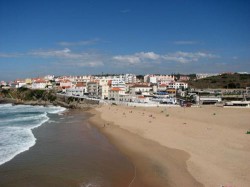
(125, 87)
(165, 89)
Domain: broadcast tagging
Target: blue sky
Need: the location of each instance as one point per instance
(76, 37)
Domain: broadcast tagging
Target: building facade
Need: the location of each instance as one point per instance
(93, 89)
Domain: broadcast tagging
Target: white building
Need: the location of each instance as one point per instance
(156, 78)
(162, 87)
(140, 90)
(85, 78)
(65, 83)
(134, 99)
(130, 78)
(150, 79)
(21, 84)
(39, 84)
(126, 98)
(3, 83)
(114, 93)
(205, 75)
(165, 78)
(104, 91)
(166, 82)
(78, 90)
(178, 85)
(118, 83)
(104, 81)
(141, 99)
(49, 77)
(93, 89)
(153, 80)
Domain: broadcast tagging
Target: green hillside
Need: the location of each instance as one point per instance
(222, 81)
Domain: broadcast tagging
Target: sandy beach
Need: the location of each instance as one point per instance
(174, 146)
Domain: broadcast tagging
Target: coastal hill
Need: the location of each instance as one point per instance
(25, 94)
(42, 97)
(230, 81)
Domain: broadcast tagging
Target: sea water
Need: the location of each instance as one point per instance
(16, 124)
(68, 150)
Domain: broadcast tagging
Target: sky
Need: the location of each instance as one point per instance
(80, 37)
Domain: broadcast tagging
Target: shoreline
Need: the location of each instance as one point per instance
(205, 146)
(46, 103)
(155, 165)
(28, 131)
(68, 152)
(213, 138)
(148, 170)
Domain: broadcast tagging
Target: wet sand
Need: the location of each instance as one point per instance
(182, 146)
(68, 152)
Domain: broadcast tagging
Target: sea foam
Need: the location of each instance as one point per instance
(16, 124)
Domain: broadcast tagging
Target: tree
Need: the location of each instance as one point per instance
(5, 92)
(231, 85)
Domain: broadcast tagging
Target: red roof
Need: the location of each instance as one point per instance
(66, 80)
(37, 79)
(80, 84)
(141, 97)
(116, 89)
(162, 85)
(40, 81)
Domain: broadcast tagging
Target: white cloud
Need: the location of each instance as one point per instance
(148, 55)
(70, 58)
(92, 59)
(9, 55)
(84, 63)
(64, 53)
(137, 57)
(176, 59)
(127, 58)
(79, 43)
(180, 57)
(186, 57)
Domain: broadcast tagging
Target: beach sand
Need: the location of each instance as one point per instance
(174, 146)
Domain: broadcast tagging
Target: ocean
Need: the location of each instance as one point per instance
(16, 124)
(50, 146)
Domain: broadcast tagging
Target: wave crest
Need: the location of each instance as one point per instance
(16, 127)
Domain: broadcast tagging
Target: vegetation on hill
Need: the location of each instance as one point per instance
(26, 94)
(230, 81)
(178, 75)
